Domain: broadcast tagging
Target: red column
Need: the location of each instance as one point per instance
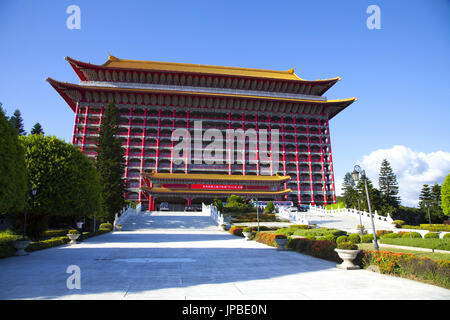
(309, 159)
(158, 132)
(331, 163)
(86, 117)
(150, 202)
(297, 162)
(323, 165)
(230, 156)
(284, 153)
(75, 129)
(171, 148)
(188, 142)
(144, 131)
(243, 145)
(269, 141)
(257, 144)
(127, 152)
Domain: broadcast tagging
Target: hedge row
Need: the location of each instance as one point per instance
(7, 248)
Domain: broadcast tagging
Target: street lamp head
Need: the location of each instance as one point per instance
(34, 191)
(355, 175)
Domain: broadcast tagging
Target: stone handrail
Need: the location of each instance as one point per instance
(124, 214)
(215, 214)
(385, 221)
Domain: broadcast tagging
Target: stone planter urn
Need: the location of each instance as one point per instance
(118, 227)
(281, 243)
(20, 246)
(348, 256)
(247, 235)
(73, 237)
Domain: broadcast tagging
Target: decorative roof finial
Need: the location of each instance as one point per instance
(291, 71)
(111, 57)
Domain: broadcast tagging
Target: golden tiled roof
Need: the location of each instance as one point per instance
(200, 68)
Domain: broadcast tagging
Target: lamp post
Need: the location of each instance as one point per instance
(25, 210)
(356, 171)
(360, 220)
(428, 208)
(257, 211)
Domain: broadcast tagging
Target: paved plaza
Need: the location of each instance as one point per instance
(184, 256)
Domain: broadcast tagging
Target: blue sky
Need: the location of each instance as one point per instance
(400, 73)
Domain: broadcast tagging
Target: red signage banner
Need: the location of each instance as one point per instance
(217, 186)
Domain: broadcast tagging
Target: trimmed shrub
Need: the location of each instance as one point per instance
(267, 238)
(446, 236)
(44, 244)
(391, 236)
(341, 239)
(55, 233)
(236, 231)
(285, 231)
(367, 238)
(348, 245)
(72, 231)
(247, 229)
(317, 248)
(381, 233)
(106, 226)
(412, 235)
(354, 238)
(299, 226)
(431, 235)
(399, 222)
(280, 236)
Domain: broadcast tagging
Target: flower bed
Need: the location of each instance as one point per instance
(410, 266)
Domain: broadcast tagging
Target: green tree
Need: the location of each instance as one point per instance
(66, 181)
(388, 184)
(37, 129)
(349, 193)
(110, 165)
(17, 122)
(218, 204)
(13, 177)
(270, 208)
(445, 196)
(374, 195)
(425, 196)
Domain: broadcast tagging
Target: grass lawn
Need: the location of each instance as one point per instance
(422, 254)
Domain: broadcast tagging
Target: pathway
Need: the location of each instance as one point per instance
(183, 256)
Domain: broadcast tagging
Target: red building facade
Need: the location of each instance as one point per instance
(156, 98)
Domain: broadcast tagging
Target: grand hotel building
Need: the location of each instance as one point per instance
(156, 98)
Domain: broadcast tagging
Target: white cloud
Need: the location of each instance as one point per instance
(413, 169)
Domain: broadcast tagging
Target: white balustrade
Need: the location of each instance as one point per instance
(124, 215)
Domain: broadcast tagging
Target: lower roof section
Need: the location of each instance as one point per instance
(216, 192)
(194, 177)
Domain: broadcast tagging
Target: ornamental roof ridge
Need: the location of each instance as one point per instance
(114, 62)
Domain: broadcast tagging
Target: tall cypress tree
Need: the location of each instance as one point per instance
(110, 164)
(37, 129)
(388, 185)
(349, 192)
(17, 122)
